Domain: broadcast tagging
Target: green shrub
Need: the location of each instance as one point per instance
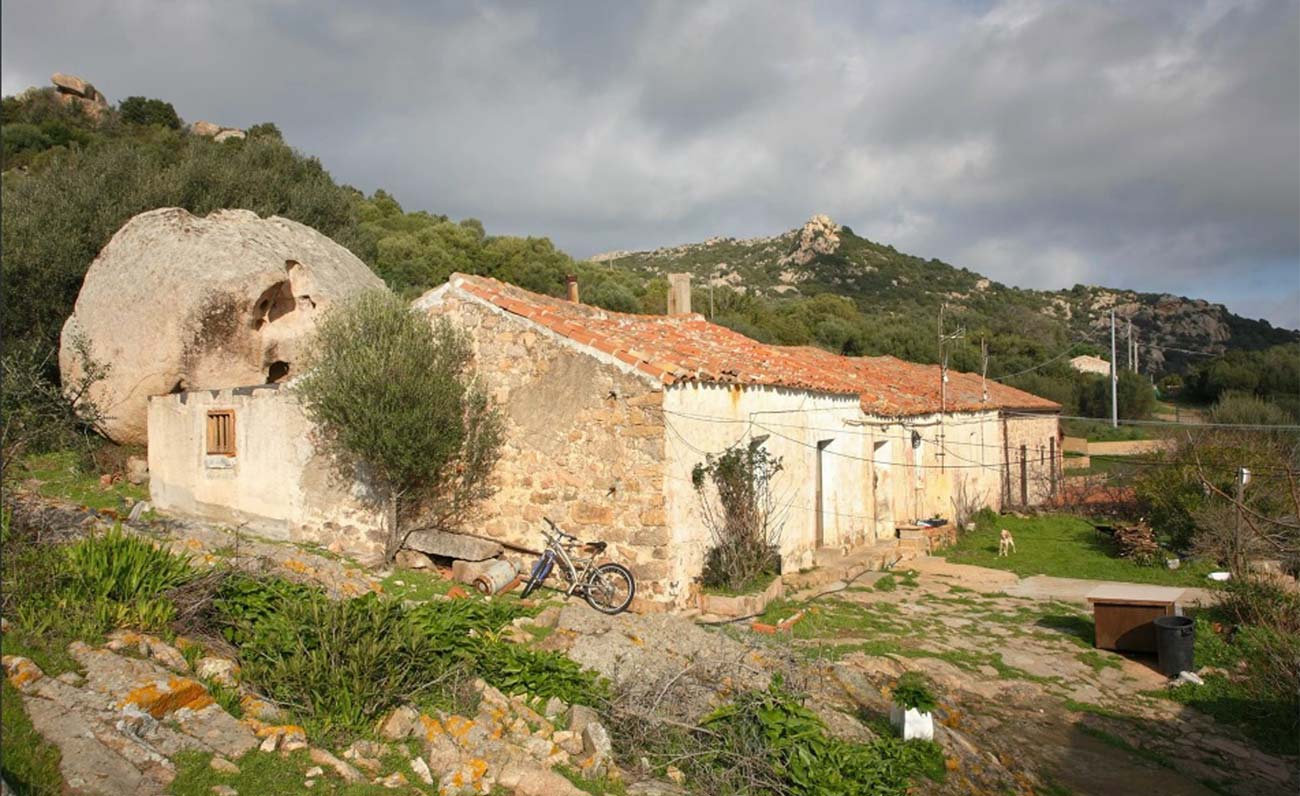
(140, 110)
(912, 691)
(767, 742)
(123, 569)
(519, 670)
(397, 397)
(339, 665)
(740, 510)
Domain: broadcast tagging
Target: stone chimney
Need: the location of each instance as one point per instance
(679, 294)
(571, 287)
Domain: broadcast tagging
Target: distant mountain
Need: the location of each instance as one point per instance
(1173, 332)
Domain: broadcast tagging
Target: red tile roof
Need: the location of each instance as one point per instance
(895, 387)
(686, 348)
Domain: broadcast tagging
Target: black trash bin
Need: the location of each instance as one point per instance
(1175, 636)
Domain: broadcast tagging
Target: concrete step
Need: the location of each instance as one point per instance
(833, 565)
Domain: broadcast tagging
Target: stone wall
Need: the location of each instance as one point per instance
(584, 442)
(277, 484)
(1035, 438)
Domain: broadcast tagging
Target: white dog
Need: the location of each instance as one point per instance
(1006, 544)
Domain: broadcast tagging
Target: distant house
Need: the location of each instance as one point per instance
(607, 414)
(1090, 364)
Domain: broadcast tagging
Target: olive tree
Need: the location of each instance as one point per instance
(396, 400)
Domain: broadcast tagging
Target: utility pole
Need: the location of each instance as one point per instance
(1114, 377)
(1243, 478)
(984, 370)
(1132, 365)
(943, 374)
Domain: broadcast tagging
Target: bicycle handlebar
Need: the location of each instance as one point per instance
(558, 530)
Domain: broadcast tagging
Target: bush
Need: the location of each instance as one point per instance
(57, 219)
(338, 665)
(36, 414)
(767, 742)
(396, 397)
(741, 515)
(912, 691)
(123, 568)
(139, 110)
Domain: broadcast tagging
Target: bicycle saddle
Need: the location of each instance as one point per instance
(596, 547)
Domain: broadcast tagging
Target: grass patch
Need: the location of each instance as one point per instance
(65, 475)
(415, 584)
(1098, 661)
(29, 763)
(594, 786)
(1066, 547)
(1101, 431)
(1110, 739)
(754, 585)
(1267, 720)
(272, 773)
(1082, 630)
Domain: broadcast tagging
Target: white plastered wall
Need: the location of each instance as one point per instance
(708, 419)
(278, 484)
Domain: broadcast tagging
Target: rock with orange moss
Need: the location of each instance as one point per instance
(118, 730)
(21, 672)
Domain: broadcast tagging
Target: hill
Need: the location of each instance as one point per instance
(823, 257)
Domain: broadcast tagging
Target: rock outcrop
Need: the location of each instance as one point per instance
(73, 90)
(820, 235)
(216, 132)
(175, 303)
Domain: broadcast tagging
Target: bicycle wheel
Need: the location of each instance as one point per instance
(540, 570)
(610, 588)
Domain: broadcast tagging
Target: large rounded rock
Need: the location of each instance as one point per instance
(175, 302)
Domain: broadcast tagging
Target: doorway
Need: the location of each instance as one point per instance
(820, 504)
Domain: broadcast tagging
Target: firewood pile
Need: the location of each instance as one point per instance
(1137, 542)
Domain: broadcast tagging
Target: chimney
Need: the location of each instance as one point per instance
(679, 294)
(571, 286)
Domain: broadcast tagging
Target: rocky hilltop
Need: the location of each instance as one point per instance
(823, 256)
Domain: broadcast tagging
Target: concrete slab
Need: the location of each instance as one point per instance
(1077, 590)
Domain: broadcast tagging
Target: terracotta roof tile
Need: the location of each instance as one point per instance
(684, 348)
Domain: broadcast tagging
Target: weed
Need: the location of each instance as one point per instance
(29, 763)
(1098, 661)
(912, 691)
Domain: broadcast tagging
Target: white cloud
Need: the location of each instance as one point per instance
(1153, 145)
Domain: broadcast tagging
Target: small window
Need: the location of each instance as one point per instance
(221, 433)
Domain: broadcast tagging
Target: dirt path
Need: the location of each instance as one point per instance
(1036, 587)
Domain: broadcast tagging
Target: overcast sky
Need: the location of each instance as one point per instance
(1150, 145)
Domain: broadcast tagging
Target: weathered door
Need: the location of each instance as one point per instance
(821, 492)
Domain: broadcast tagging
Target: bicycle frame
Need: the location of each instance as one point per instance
(568, 564)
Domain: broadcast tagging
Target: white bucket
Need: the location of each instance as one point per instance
(912, 724)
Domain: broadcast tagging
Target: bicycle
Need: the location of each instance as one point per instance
(607, 587)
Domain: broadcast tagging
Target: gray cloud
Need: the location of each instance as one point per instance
(1150, 145)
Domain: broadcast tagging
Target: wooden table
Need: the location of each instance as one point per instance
(1123, 614)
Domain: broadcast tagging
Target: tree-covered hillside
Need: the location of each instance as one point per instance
(71, 180)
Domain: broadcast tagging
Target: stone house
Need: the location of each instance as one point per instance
(607, 414)
(1087, 363)
(947, 449)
